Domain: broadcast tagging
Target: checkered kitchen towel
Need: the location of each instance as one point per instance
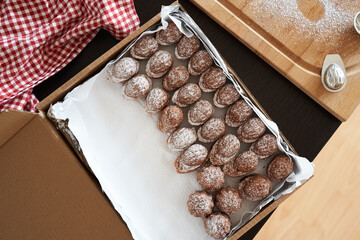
(40, 37)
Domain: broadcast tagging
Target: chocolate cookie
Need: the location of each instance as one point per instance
(228, 200)
(226, 95)
(212, 79)
(181, 139)
(156, 100)
(199, 62)
(170, 118)
(246, 162)
(186, 95)
(124, 69)
(170, 35)
(280, 167)
(243, 164)
(159, 64)
(175, 78)
(230, 170)
(200, 112)
(224, 150)
(212, 130)
(200, 204)
(137, 87)
(238, 113)
(195, 155)
(255, 187)
(251, 130)
(265, 146)
(187, 47)
(210, 177)
(144, 48)
(218, 225)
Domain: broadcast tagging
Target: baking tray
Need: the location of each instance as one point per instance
(294, 181)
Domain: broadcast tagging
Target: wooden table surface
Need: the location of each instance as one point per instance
(304, 123)
(326, 208)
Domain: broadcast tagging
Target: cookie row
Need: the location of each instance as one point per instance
(176, 79)
(228, 200)
(224, 150)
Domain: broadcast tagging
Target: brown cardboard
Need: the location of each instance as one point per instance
(45, 192)
(11, 122)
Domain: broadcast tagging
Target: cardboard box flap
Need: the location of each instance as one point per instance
(45, 191)
(11, 121)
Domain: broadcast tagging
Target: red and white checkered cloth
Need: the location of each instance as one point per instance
(40, 37)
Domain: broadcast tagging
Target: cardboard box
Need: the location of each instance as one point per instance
(47, 190)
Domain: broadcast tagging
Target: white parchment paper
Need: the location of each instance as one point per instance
(130, 158)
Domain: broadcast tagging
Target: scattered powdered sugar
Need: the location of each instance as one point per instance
(319, 20)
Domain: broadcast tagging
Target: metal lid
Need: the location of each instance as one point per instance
(333, 74)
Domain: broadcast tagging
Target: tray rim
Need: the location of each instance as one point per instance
(100, 62)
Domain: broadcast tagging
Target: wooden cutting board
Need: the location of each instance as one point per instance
(294, 36)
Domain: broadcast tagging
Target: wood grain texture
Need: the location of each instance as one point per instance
(327, 206)
(295, 56)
